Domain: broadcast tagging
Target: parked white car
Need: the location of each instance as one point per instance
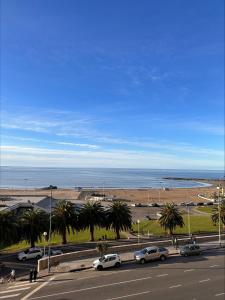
(107, 261)
(151, 253)
(30, 253)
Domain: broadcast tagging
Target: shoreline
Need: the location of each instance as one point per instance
(133, 195)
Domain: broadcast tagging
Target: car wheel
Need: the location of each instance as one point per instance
(186, 255)
(38, 257)
(117, 265)
(24, 258)
(162, 257)
(142, 261)
(100, 268)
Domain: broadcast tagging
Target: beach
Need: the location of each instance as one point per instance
(176, 195)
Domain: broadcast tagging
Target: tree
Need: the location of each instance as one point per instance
(102, 248)
(170, 218)
(91, 214)
(33, 223)
(64, 219)
(9, 228)
(119, 217)
(215, 212)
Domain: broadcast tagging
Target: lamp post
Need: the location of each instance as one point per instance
(45, 235)
(189, 221)
(138, 222)
(50, 231)
(218, 188)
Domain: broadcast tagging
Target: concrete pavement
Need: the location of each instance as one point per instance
(197, 277)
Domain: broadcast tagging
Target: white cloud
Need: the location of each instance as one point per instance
(31, 156)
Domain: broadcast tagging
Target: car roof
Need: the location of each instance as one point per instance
(110, 255)
(151, 248)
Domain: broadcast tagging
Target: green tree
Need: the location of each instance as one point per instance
(170, 218)
(215, 213)
(102, 248)
(64, 219)
(92, 214)
(119, 217)
(9, 228)
(33, 223)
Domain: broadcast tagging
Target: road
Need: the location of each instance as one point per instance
(191, 278)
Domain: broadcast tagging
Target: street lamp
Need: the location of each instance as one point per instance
(45, 235)
(218, 188)
(189, 221)
(138, 222)
(50, 231)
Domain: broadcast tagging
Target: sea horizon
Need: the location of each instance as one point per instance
(64, 177)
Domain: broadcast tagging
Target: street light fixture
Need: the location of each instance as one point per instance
(138, 222)
(45, 235)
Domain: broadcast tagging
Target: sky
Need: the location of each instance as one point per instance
(122, 83)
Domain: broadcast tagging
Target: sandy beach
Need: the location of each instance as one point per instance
(175, 195)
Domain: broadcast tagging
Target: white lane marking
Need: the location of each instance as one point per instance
(23, 284)
(91, 288)
(9, 296)
(37, 288)
(131, 295)
(213, 266)
(217, 295)
(16, 290)
(175, 286)
(162, 275)
(189, 270)
(204, 280)
(20, 285)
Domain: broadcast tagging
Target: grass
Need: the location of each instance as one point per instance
(207, 209)
(77, 237)
(199, 224)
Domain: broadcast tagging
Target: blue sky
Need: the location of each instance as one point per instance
(136, 84)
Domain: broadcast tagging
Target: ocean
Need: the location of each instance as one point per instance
(33, 177)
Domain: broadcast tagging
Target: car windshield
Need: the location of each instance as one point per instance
(102, 258)
(143, 251)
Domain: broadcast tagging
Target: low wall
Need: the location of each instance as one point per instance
(55, 260)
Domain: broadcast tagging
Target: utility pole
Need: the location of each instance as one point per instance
(50, 232)
(219, 215)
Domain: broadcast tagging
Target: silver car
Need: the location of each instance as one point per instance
(151, 253)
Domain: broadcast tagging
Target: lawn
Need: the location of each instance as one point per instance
(199, 224)
(77, 237)
(207, 209)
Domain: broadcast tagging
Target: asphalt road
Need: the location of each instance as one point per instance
(191, 278)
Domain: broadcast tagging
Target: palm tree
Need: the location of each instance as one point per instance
(33, 223)
(215, 213)
(9, 228)
(64, 218)
(119, 217)
(170, 218)
(91, 214)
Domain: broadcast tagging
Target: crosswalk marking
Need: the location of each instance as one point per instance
(9, 296)
(15, 290)
(21, 285)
